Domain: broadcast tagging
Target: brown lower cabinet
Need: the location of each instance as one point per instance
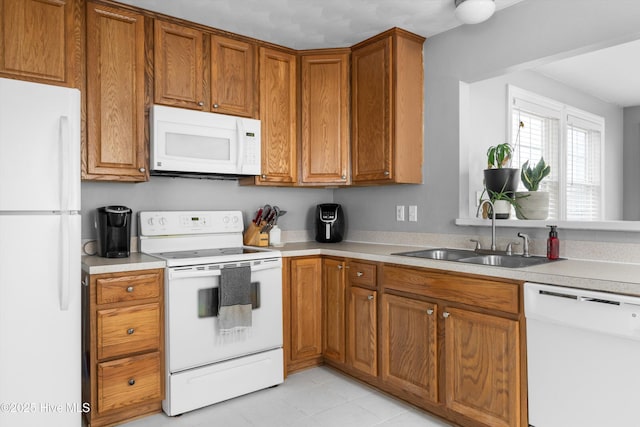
(450, 343)
(302, 305)
(123, 345)
(362, 332)
(409, 337)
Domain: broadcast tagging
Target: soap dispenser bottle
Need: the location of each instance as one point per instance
(553, 243)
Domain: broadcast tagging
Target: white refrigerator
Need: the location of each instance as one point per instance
(40, 328)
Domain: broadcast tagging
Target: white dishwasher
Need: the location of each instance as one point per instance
(583, 356)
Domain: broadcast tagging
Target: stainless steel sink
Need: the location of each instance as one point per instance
(510, 261)
(472, 257)
(439, 253)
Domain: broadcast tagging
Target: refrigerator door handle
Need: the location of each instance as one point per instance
(65, 255)
(65, 141)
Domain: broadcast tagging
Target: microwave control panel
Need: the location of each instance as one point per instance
(252, 148)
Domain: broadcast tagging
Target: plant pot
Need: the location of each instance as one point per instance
(503, 209)
(502, 180)
(532, 204)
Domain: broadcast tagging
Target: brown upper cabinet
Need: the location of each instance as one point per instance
(324, 112)
(204, 72)
(116, 148)
(178, 62)
(387, 109)
(233, 76)
(278, 113)
(40, 40)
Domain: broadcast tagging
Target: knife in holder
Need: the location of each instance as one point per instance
(253, 235)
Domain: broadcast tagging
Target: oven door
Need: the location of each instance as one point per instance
(193, 337)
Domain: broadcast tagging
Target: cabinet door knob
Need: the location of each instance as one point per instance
(132, 381)
(339, 267)
(215, 105)
(264, 176)
(359, 273)
(343, 177)
(130, 289)
(445, 314)
(130, 331)
(430, 311)
(386, 173)
(369, 297)
(143, 170)
(201, 103)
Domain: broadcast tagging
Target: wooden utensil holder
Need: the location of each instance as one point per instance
(253, 236)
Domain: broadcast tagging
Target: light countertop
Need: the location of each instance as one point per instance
(136, 261)
(615, 277)
(623, 278)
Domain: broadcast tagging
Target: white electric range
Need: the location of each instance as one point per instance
(203, 366)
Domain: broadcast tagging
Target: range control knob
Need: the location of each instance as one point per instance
(162, 220)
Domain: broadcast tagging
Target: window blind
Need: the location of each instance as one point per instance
(570, 141)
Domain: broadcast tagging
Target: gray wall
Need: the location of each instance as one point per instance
(162, 193)
(528, 33)
(631, 157)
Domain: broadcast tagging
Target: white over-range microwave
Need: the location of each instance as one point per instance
(199, 144)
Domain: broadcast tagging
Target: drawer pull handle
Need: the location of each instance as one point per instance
(369, 297)
(132, 381)
(130, 289)
(130, 331)
(359, 274)
(430, 311)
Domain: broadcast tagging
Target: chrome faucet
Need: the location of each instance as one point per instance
(525, 244)
(493, 221)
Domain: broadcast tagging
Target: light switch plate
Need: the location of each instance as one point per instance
(413, 213)
(400, 213)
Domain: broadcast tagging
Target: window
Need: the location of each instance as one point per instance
(570, 141)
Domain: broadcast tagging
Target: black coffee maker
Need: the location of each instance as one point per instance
(113, 224)
(329, 223)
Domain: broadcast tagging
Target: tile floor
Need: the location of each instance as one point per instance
(312, 398)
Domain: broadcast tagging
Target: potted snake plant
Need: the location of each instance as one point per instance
(533, 204)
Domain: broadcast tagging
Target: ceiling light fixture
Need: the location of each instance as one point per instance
(474, 11)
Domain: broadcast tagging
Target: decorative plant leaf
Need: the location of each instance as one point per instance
(498, 156)
(531, 178)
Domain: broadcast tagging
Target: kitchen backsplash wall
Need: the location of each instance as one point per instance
(161, 193)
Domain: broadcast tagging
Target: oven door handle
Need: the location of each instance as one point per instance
(182, 273)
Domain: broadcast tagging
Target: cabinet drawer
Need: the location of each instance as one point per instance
(470, 290)
(128, 287)
(128, 330)
(129, 381)
(362, 274)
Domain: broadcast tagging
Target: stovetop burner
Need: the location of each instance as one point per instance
(202, 253)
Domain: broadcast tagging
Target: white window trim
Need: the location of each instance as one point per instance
(544, 105)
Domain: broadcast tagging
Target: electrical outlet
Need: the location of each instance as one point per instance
(400, 213)
(413, 213)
